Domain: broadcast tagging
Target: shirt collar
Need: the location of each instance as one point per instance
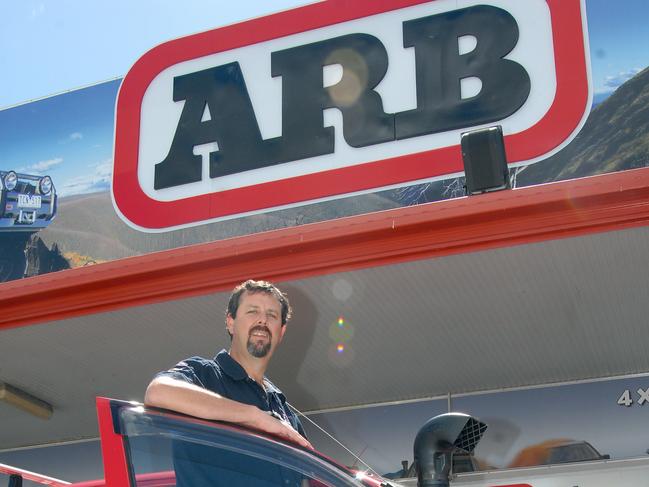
(236, 372)
(230, 366)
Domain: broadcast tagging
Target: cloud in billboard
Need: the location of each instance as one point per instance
(76, 136)
(38, 10)
(97, 181)
(42, 167)
(613, 82)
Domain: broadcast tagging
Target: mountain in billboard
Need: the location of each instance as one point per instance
(87, 229)
(614, 138)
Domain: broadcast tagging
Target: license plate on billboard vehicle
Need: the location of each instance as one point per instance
(29, 201)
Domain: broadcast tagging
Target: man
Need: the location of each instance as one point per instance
(232, 387)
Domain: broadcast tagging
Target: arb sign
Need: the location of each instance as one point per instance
(341, 97)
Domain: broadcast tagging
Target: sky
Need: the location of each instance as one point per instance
(51, 46)
(619, 41)
(76, 149)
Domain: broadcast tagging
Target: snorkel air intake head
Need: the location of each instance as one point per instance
(436, 442)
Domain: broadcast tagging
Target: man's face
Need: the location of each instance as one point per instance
(257, 327)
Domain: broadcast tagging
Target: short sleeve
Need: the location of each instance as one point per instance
(190, 370)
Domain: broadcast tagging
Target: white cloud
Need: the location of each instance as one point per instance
(38, 10)
(614, 81)
(98, 180)
(76, 136)
(42, 167)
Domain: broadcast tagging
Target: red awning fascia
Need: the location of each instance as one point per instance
(505, 218)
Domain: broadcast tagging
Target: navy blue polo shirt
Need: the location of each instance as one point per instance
(227, 378)
(197, 465)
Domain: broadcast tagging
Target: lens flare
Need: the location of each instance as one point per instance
(341, 355)
(341, 330)
(342, 290)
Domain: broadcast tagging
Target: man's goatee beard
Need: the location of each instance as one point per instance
(255, 348)
(258, 350)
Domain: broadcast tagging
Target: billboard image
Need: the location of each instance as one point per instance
(66, 143)
(556, 424)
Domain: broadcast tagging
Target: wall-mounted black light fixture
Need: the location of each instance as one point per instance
(485, 162)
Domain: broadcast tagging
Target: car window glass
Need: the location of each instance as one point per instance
(169, 451)
(165, 461)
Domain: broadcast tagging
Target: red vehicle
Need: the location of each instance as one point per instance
(138, 445)
(144, 447)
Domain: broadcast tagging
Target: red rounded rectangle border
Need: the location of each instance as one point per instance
(561, 122)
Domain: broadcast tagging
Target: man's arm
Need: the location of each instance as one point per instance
(181, 396)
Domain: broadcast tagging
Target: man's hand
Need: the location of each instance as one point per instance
(265, 422)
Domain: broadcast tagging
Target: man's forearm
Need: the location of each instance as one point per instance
(177, 395)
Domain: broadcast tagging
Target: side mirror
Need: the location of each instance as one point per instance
(436, 442)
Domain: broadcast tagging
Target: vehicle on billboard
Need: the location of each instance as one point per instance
(334, 99)
(28, 204)
(557, 451)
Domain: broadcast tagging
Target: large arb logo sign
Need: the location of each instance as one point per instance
(338, 98)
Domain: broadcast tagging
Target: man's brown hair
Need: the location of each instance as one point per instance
(258, 287)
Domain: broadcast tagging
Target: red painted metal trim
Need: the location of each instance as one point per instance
(556, 126)
(34, 477)
(156, 479)
(505, 218)
(112, 447)
(90, 483)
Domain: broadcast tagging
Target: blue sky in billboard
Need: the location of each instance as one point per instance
(76, 150)
(50, 46)
(619, 41)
